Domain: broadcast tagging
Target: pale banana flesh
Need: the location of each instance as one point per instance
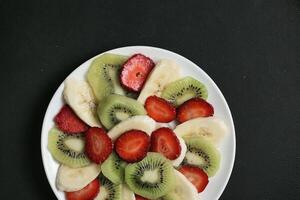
(126, 193)
(79, 96)
(73, 179)
(210, 128)
(139, 122)
(164, 72)
(179, 160)
(184, 189)
(171, 125)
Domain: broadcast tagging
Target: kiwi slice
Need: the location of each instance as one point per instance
(103, 75)
(179, 91)
(67, 149)
(113, 168)
(170, 196)
(116, 108)
(203, 154)
(152, 177)
(108, 190)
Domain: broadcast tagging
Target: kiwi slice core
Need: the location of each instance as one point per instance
(203, 154)
(74, 143)
(116, 108)
(184, 89)
(153, 177)
(67, 149)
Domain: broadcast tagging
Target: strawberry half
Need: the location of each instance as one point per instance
(194, 108)
(89, 192)
(135, 72)
(67, 121)
(160, 109)
(196, 176)
(133, 145)
(164, 141)
(137, 197)
(98, 146)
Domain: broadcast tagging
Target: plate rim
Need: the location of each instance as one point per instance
(231, 166)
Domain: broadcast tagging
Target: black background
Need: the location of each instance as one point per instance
(250, 48)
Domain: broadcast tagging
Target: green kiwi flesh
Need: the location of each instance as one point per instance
(108, 190)
(152, 177)
(170, 196)
(116, 108)
(203, 154)
(113, 168)
(67, 149)
(179, 91)
(103, 75)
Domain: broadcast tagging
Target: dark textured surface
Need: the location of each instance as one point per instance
(250, 48)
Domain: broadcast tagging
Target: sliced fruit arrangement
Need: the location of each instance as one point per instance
(132, 146)
(160, 109)
(164, 141)
(139, 122)
(135, 72)
(183, 148)
(103, 75)
(153, 177)
(67, 121)
(98, 145)
(202, 154)
(67, 149)
(183, 189)
(159, 78)
(114, 168)
(80, 97)
(193, 108)
(87, 193)
(212, 129)
(108, 190)
(111, 146)
(184, 89)
(116, 108)
(196, 176)
(73, 179)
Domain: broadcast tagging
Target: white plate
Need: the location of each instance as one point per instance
(217, 183)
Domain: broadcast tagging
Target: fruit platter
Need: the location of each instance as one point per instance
(138, 123)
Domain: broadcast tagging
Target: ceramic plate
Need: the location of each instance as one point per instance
(217, 183)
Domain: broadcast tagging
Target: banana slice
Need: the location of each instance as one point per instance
(184, 189)
(211, 128)
(179, 160)
(171, 125)
(139, 122)
(126, 193)
(79, 95)
(165, 71)
(74, 179)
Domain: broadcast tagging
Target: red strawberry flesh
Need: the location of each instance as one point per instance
(67, 121)
(133, 145)
(89, 192)
(135, 72)
(196, 176)
(194, 108)
(160, 110)
(164, 141)
(137, 197)
(98, 145)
